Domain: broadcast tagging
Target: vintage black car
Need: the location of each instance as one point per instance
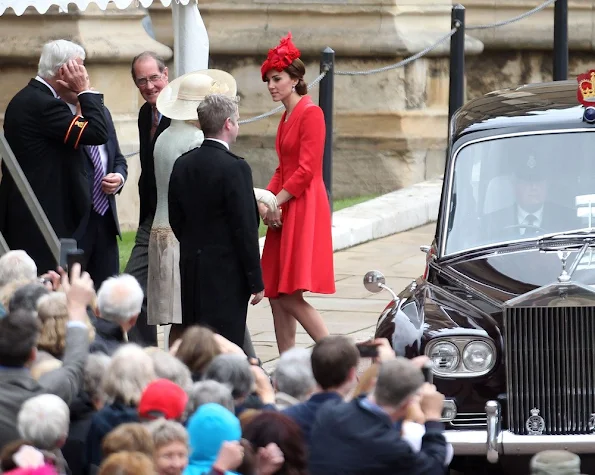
(506, 306)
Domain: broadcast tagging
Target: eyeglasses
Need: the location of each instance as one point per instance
(142, 82)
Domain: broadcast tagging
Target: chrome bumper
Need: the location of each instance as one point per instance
(494, 443)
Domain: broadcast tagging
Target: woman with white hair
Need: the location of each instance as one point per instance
(293, 378)
(233, 371)
(90, 400)
(169, 367)
(129, 372)
(44, 421)
(119, 303)
(171, 446)
(16, 265)
(207, 391)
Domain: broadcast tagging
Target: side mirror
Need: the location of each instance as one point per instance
(374, 281)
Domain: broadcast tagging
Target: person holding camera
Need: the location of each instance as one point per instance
(19, 331)
(363, 437)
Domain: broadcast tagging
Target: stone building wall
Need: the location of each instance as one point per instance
(390, 128)
(522, 52)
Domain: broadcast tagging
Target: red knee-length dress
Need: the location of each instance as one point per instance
(299, 255)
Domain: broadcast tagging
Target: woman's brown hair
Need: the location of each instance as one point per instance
(248, 416)
(274, 427)
(127, 463)
(52, 311)
(130, 437)
(297, 70)
(197, 348)
(249, 462)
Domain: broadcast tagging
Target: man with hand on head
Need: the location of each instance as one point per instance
(47, 140)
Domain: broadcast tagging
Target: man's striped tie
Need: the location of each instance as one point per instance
(100, 201)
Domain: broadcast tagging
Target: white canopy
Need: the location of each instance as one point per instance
(191, 41)
(42, 6)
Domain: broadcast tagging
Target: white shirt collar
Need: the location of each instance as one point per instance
(220, 141)
(71, 106)
(522, 215)
(43, 81)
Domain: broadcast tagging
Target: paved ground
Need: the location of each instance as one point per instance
(352, 310)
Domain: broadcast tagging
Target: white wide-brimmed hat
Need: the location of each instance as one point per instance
(180, 98)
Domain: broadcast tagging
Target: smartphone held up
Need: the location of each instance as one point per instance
(367, 349)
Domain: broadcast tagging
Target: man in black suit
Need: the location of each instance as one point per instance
(150, 75)
(47, 140)
(213, 213)
(532, 213)
(107, 171)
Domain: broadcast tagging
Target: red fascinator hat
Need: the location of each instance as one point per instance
(280, 56)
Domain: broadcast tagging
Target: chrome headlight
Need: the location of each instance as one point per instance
(478, 356)
(445, 357)
(461, 357)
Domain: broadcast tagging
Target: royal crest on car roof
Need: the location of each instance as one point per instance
(586, 88)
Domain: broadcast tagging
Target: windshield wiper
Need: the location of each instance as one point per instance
(576, 234)
(567, 239)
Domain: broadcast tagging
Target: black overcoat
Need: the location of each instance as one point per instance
(147, 186)
(47, 140)
(213, 213)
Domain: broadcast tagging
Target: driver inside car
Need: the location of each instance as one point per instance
(532, 213)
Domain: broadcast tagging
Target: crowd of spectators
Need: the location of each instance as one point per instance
(78, 398)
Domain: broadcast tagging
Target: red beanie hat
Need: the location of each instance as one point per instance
(162, 398)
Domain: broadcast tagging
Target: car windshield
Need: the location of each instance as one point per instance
(520, 188)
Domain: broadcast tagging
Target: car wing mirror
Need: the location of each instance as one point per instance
(374, 281)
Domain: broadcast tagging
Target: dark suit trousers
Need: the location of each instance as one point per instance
(138, 266)
(101, 247)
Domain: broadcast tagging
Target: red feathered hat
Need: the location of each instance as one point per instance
(281, 56)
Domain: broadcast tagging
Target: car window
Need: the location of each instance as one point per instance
(520, 188)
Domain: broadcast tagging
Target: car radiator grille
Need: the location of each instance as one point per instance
(550, 366)
(469, 420)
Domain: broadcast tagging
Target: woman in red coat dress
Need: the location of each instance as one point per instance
(298, 250)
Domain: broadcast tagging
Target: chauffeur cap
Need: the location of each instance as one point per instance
(530, 168)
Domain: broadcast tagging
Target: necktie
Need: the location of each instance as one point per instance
(530, 220)
(100, 201)
(155, 122)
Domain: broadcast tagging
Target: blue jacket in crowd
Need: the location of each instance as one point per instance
(305, 413)
(356, 438)
(208, 428)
